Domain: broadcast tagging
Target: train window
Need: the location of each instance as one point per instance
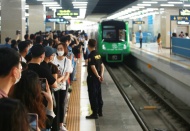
(122, 35)
(108, 27)
(109, 34)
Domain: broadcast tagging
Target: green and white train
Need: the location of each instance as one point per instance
(113, 40)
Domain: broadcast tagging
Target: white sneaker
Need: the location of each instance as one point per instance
(62, 128)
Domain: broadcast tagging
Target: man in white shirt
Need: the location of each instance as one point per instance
(141, 38)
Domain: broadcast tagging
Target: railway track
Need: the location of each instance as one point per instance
(152, 109)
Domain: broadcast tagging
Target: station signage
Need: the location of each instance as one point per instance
(58, 20)
(179, 18)
(72, 13)
(139, 22)
(184, 12)
(183, 22)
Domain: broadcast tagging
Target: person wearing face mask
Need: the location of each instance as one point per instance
(23, 47)
(64, 70)
(38, 54)
(10, 71)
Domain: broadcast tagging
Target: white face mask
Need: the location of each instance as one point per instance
(60, 53)
(18, 79)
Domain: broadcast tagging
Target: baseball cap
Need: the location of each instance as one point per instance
(37, 50)
(22, 45)
(49, 51)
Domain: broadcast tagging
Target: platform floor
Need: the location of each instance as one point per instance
(152, 48)
(116, 114)
(173, 65)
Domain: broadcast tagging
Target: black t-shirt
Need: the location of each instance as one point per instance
(42, 71)
(53, 68)
(94, 59)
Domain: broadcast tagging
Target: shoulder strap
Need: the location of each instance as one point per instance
(63, 71)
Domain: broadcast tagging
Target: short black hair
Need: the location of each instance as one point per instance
(65, 38)
(23, 45)
(26, 36)
(92, 43)
(45, 43)
(8, 59)
(7, 39)
(39, 39)
(32, 36)
(37, 50)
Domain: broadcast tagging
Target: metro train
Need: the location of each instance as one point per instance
(113, 40)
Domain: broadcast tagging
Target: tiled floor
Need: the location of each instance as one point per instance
(152, 48)
(117, 115)
(85, 125)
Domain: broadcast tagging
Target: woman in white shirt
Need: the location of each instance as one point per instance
(65, 68)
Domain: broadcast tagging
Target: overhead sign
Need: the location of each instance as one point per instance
(179, 18)
(59, 20)
(184, 12)
(138, 22)
(73, 12)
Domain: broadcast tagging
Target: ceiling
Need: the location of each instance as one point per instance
(101, 7)
(110, 6)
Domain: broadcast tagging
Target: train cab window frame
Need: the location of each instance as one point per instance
(109, 33)
(113, 33)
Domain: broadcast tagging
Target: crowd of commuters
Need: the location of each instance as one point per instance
(24, 66)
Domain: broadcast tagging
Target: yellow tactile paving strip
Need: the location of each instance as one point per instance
(73, 114)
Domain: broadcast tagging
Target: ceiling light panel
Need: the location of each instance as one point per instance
(175, 2)
(166, 4)
(150, 2)
(144, 4)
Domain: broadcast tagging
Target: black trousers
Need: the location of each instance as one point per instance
(55, 125)
(95, 94)
(140, 42)
(62, 97)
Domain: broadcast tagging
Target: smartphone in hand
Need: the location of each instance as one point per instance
(43, 84)
(33, 121)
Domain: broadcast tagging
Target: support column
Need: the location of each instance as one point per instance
(51, 24)
(12, 19)
(36, 18)
(57, 27)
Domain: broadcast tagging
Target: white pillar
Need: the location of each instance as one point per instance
(12, 19)
(57, 27)
(36, 18)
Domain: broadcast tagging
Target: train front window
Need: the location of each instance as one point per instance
(109, 33)
(113, 33)
(122, 35)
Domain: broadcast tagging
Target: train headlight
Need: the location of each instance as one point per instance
(103, 47)
(124, 46)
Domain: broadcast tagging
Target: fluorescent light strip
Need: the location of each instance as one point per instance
(80, 7)
(175, 2)
(138, 7)
(144, 4)
(79, 2)
(49, 3)
(46, 0)
(55, 7)
(151, 2)
(167, 5)
(187, 5)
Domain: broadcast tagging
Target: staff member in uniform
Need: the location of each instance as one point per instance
(94, 79)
